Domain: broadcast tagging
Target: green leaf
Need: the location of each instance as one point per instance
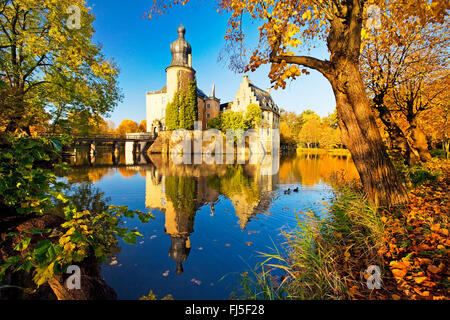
(23, 244)
(76, 237)
(42, 247)
(130, 238)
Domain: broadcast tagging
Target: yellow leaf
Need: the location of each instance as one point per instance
(419, 280)
(398, 273)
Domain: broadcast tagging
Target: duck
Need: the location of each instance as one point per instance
(288, 191)
(295, 190)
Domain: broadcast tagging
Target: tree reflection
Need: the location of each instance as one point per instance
(88, 197)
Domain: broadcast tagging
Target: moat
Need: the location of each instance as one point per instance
(211, 221)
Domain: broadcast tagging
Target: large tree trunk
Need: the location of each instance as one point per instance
(418, 141)
(357, 123)
(361, 136)
(399, 140)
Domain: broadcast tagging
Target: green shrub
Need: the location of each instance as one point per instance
(420, 175)
(311, 263)
(438, 153)
(28, 186)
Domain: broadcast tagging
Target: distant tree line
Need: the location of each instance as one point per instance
(309, 130)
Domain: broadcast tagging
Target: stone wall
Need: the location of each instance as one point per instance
(168, 141)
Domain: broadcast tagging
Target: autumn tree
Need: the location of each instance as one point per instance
(310, 133)
(84, 123)
(283, 26)
(405, 67)
(329, 137)
(127, 126)
(50, 65)
(286, 136)
(291, 124)
(252, 116)
(143, 126)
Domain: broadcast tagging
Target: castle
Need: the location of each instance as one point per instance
(178, 76)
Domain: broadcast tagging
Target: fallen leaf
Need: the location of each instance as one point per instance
(433, 268)
(399, 273)
(354, 290)
(165, 273)
(249, 243)
(419, 280)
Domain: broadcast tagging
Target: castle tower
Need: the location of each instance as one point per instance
(180, 71)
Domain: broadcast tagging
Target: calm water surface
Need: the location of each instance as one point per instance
(210, 220)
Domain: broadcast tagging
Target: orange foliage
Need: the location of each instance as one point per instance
(127, 173)
(312, 169)
(417, 242)
(127, 126)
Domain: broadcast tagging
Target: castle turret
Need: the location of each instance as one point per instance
(180, 72)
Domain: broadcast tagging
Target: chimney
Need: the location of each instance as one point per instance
(213, 94)
(190, 60)
(245, 78)
(268, 90)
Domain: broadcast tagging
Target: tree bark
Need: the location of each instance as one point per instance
(361, 136)
(356, 120)
(419, 142)
(399, 140)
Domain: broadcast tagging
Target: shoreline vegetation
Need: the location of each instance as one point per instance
(389, 75)
(334, 152)
(45, 227)
(329, 258)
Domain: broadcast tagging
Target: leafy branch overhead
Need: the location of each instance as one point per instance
(51, 71)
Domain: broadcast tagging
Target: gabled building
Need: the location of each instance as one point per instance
(247, 94)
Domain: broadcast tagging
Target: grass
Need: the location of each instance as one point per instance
(315, 262)
(327, 258)
(335, 152)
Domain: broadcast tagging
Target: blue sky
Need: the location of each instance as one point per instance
(141, 48)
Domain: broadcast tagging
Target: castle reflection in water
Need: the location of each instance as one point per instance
(179, 191)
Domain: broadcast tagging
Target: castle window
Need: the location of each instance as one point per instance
(207, 106)
(207, 116)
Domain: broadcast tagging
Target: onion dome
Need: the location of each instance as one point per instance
(180, 50)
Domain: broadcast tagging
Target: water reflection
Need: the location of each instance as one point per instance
(181, 191)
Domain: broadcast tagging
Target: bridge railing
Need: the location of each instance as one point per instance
(109, 136)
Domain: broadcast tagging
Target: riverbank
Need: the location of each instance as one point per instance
(45, 228)
(339, 257)
(335, 152)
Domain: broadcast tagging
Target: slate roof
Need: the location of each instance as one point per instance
(264, 98)
(201, 94)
